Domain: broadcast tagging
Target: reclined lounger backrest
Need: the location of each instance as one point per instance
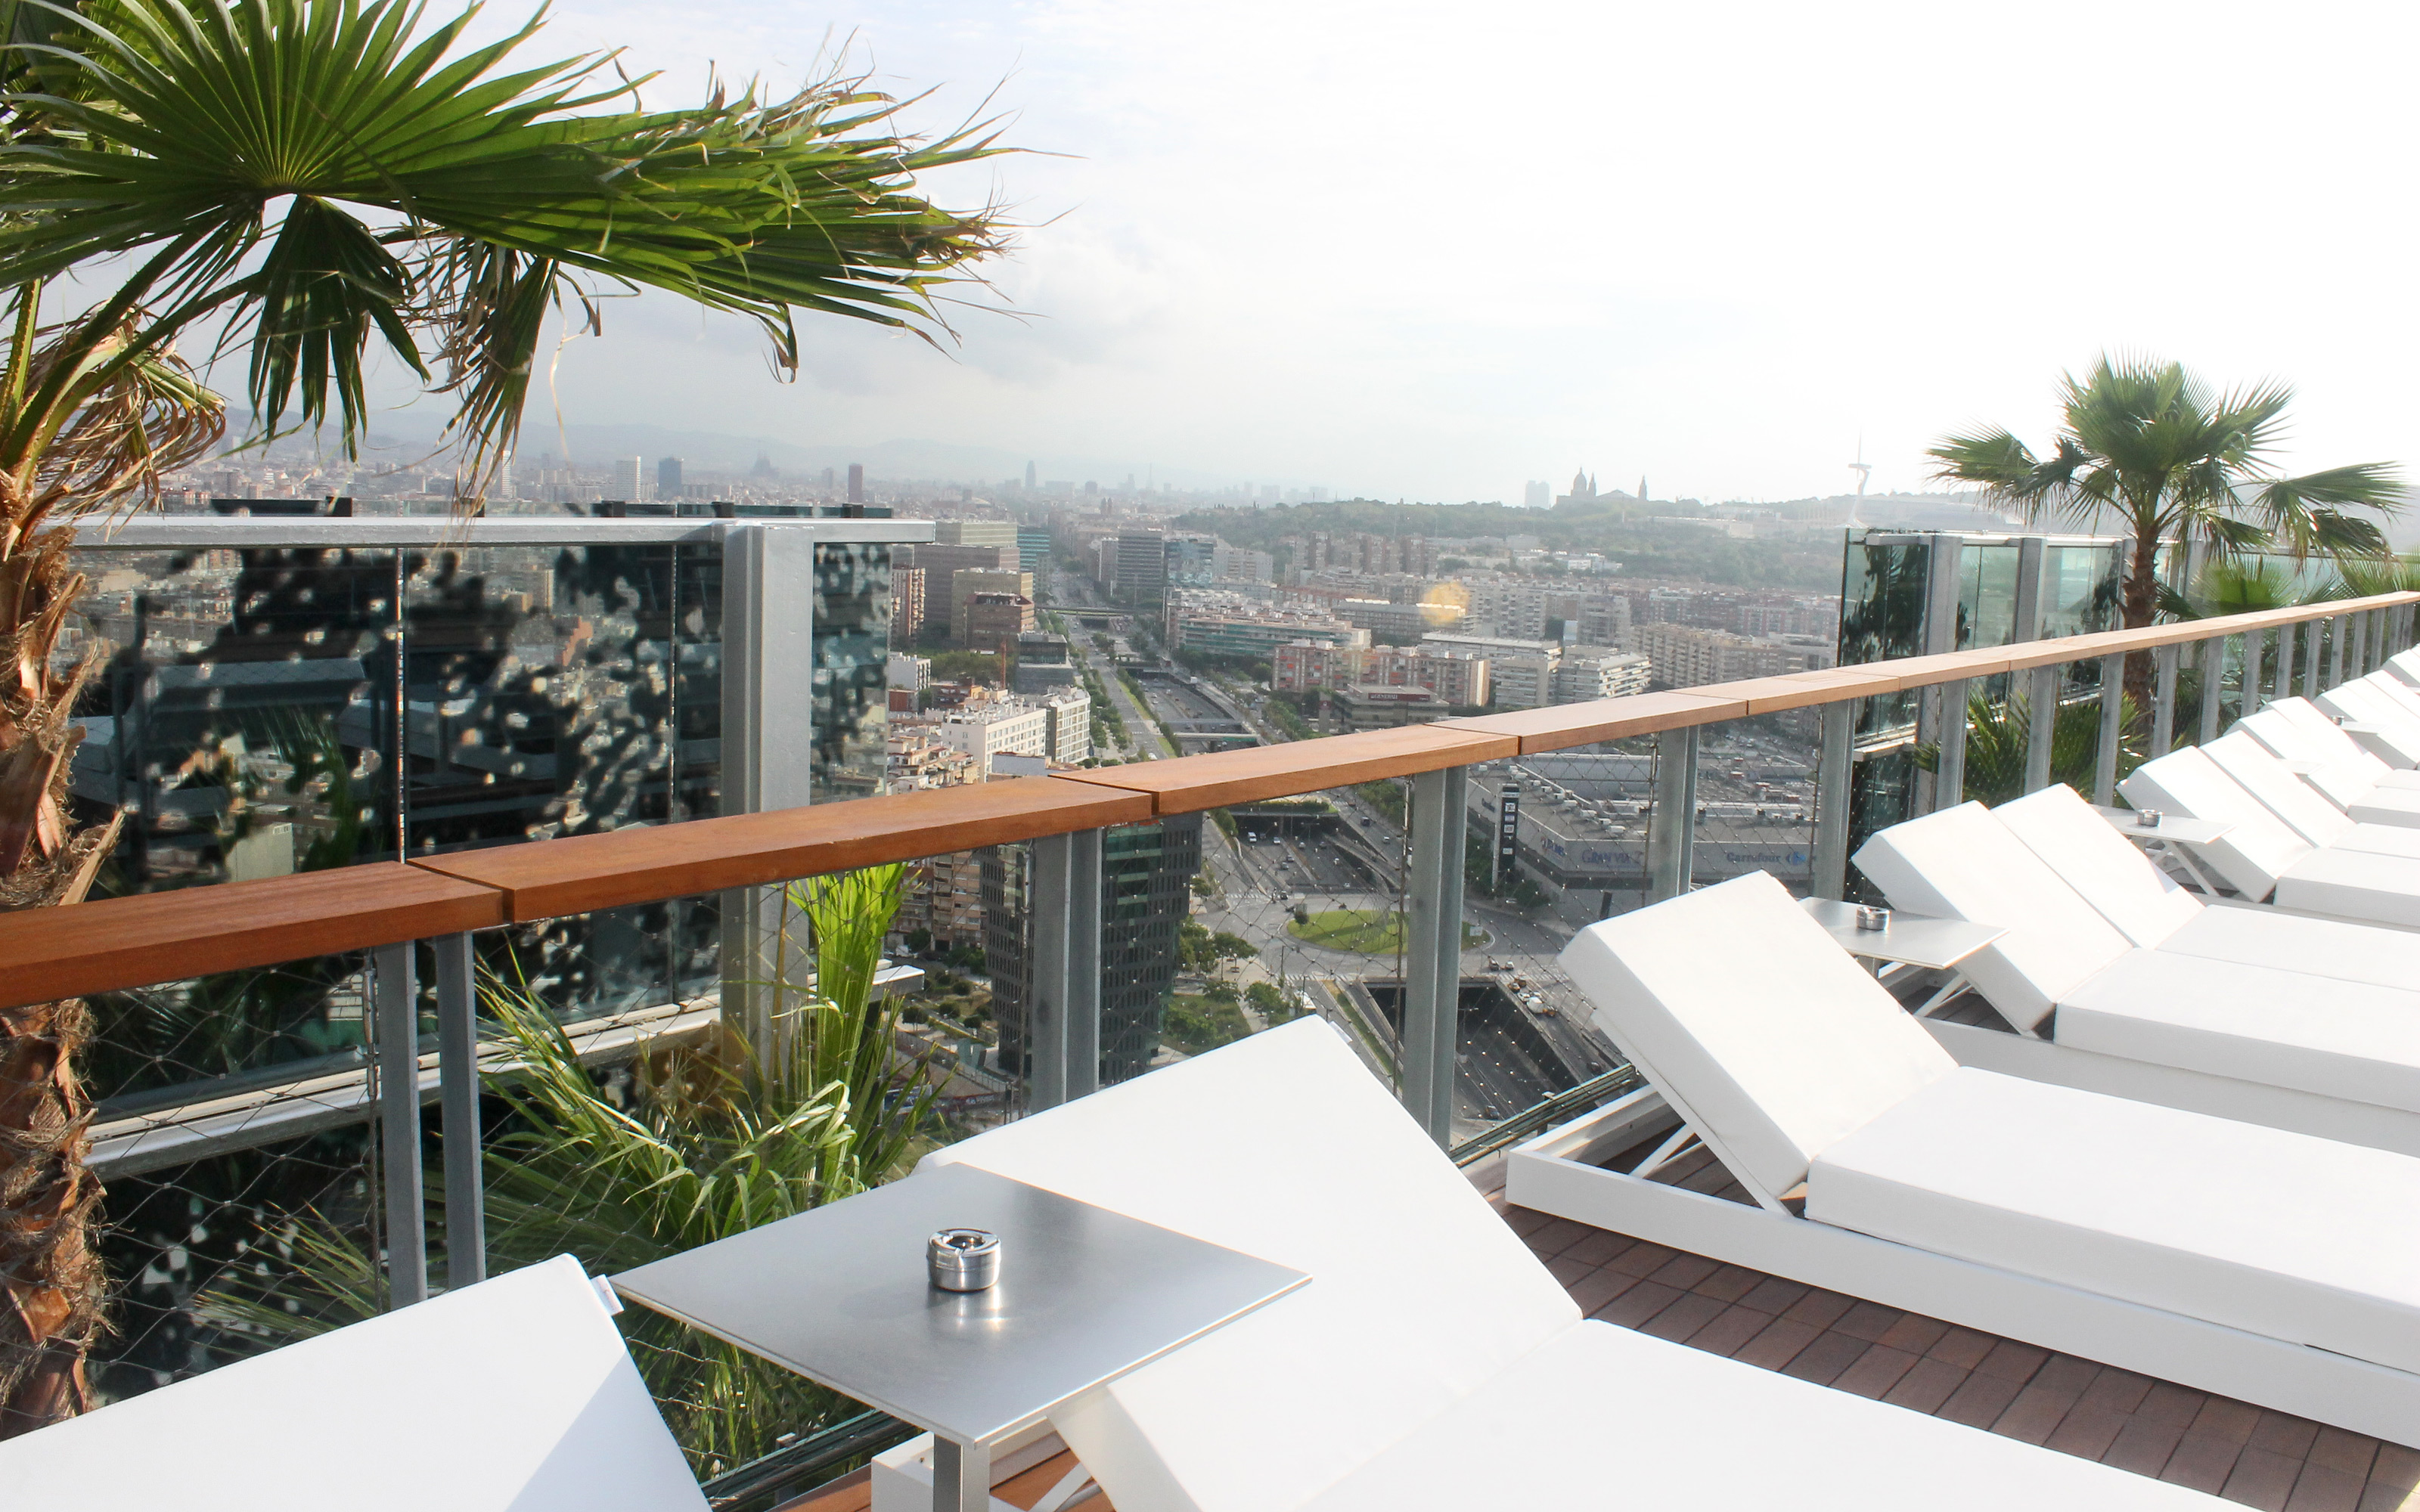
(2300, 729)
(2393, 691)
(2106, 870)
(2320, 724)
(2341, 780)
(2288, 796)
(2406, 665)
(2395, 738)
(510, 1395)
(2358, 699)
(1752, 1023)
(1962, 863)
(2252, 855)
(1284, 1145)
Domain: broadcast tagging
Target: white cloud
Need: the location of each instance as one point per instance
(1433, 250)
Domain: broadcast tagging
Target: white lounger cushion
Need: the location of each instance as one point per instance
(2297, 731)
(512, 1396)
(1283, 1146)
(1770, 1039)
(2288, 796)
(1770, 1442)
(2252, 855)
(2388, 730)
(2105, 869)
(2281, 1028)
(2147, 905)
(1962, 863)
(2282, 1234)
(2353, 884)
(2373, 874)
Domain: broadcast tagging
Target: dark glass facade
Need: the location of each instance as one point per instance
(1145, 873)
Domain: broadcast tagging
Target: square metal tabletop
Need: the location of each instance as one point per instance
(1909, 940)
(839, 1296)
(2183, 829)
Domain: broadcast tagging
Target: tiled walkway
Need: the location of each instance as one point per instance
(2246, 1454)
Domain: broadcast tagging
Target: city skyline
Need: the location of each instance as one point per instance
(1729, 247)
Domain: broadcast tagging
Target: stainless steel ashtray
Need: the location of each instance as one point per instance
(1871, 919)
(963, 1259)
(2147, 818)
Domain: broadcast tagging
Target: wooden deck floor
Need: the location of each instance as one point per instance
(2233, 1449)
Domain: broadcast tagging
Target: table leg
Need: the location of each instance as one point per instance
(961, 1477)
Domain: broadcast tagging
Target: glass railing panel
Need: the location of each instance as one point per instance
(244, 717)
(233, 1139)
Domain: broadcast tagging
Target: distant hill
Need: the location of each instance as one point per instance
(1680, 553)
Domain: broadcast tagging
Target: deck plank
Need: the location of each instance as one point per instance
(2154, 1428)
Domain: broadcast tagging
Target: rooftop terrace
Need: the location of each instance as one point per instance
(399, 939)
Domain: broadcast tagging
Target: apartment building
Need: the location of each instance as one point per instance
(992, 618)
(907, 605)
(1587, 673)
(1521, 671)
(1686, 655)
(966, 584)
(1379, 706)
(1459, 678)
(1227, 624)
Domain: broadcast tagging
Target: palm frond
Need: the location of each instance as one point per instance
(437, 198)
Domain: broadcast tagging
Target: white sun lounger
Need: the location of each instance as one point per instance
(2305, 805)
(2371, 873)
(2323, 755)
(1432, 1361)
(2298, 1023)
(2260, 1263)
(512, 1396)
(2332, 729)
(2406, 665)
(2381, 722)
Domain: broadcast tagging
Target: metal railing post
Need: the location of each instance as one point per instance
(1433, 949)
(2281, 670)
(769, 594)
(2164, 698)
(457, 1084)
(2112, 726)
(2360, 657)
(2312, 632)
(2029, 592)
(2338, 627)
(396, 1064)
(1949, 785)
(1672, 826)
(1063, 1020)
(2213, 679)
(2041, 722)
(1834, 767)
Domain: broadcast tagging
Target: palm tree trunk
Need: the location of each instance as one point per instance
(49, 1275)
(2139, 602)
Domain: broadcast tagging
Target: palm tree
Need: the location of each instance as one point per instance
(2173, 458)
(305, 178)
(703, 1145)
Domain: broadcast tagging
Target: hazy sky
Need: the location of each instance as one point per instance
(1432, 251)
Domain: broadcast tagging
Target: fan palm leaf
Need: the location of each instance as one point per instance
(323, 173)
(2174, 459)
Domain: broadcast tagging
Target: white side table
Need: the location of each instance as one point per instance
(2176, 836)
(1909, 940)
(839, 1295)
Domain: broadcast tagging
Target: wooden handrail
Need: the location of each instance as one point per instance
(576, 874)
(114, 943)
(1215, 780)
(126, 942)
